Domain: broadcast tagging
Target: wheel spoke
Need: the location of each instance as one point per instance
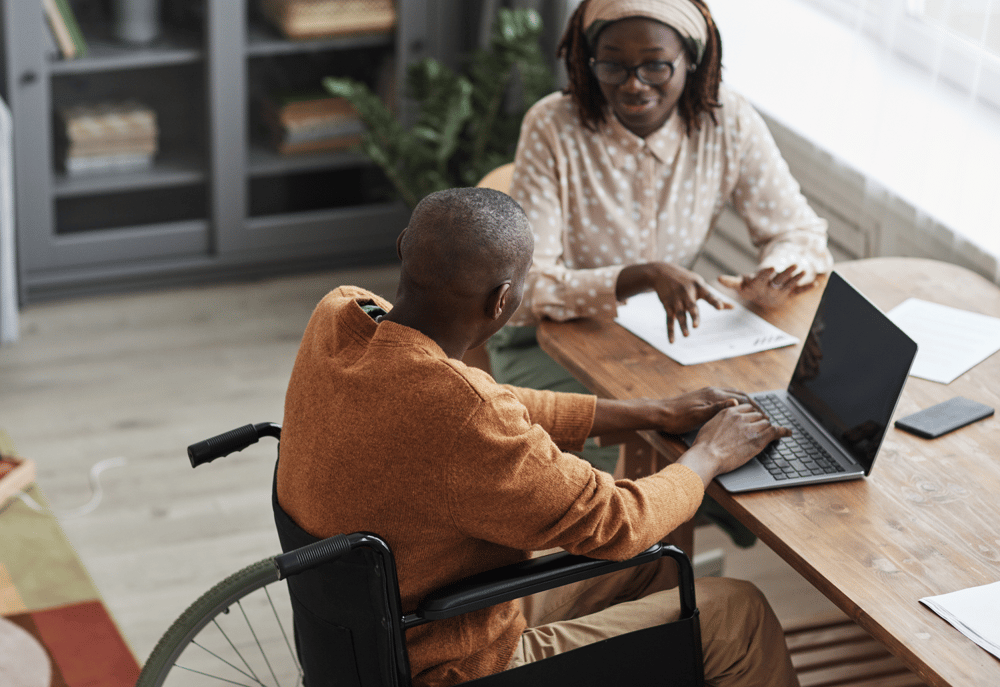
(214, 677)
(291, 651)
(261, 648)
(239, 670)
(252, 674)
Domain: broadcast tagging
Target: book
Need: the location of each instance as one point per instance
(127, 145)
(119, 162)
(117, 120)
(69, 19)
(322, 146)
(52, 49)
(311, 19)
(59, 30)
(114, 136)
(306, 122)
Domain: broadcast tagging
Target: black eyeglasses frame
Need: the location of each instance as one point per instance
(629, 71)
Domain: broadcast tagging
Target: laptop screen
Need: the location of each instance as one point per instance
(852, 368)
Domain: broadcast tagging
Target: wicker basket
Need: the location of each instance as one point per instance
(310, 19)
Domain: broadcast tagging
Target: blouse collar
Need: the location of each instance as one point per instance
(622, 144)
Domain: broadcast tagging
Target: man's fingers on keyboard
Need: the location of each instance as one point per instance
(780, 431)
(750, 406)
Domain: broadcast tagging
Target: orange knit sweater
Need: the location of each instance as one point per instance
(383, 432)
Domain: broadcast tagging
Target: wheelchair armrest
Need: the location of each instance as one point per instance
(539, 574)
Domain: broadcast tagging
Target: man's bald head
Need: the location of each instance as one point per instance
(464, 243)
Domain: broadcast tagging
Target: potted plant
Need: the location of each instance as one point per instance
(467, 123)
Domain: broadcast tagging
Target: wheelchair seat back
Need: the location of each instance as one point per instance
(346, 621)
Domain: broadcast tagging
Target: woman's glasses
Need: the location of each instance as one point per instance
(655, 73)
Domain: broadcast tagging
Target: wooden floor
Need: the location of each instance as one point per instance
(141, 377)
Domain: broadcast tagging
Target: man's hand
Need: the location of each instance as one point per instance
(678, 289)
(685, 412)
(770, 290)
(674, 415)
(729, 440)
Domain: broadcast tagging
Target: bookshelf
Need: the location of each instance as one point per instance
(217, 201)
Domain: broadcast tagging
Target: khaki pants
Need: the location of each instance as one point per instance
(743, 644)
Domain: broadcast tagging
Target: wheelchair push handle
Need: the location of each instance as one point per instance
(229, 442)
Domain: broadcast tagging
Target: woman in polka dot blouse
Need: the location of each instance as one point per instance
(623, 174)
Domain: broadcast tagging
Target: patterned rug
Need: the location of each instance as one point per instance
(54, 627)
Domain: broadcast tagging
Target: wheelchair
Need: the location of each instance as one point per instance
(338, 620)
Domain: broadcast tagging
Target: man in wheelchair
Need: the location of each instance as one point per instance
(387, 430)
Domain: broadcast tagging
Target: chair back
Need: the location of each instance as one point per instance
(346, 612)
(498, 179)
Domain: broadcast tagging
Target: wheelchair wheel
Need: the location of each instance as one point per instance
(239, 632)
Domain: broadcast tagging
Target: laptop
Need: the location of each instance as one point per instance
(847, 382)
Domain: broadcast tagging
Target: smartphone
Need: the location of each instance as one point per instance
(944, 417)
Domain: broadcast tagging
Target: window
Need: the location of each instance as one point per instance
(955, 41)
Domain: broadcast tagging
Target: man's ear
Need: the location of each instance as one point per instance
(399, 244)
(496, 302)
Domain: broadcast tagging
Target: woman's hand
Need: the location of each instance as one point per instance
(678, 289)
(770, 290)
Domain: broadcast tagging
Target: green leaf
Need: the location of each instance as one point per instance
(467, 123)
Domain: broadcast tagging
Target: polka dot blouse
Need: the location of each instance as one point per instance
(600, 201)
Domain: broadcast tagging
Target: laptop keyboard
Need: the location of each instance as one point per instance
(796, 456)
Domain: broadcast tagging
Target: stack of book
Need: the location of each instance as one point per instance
(309, 19)
(108, 137)
(310, 123)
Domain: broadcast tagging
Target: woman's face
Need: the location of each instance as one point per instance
(642, 108)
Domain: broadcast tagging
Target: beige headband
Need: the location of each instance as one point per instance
(680, 15)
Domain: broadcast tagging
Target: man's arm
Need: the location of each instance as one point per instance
(508, 483)
(675, 415)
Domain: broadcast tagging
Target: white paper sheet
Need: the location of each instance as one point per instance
(721, 334)
(949, 341)
(975, 612)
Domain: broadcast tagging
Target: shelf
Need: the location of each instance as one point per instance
(105, 54)
(217, 198)
(177, 170)
(263, 42)
(124, 244)
(326, 216)
(358, 229)
(107, 213)
(262, 161)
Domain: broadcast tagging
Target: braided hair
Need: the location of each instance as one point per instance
(701, 90)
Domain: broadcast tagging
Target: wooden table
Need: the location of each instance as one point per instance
(927, 520)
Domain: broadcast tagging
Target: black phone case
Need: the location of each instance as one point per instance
(944, 417)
